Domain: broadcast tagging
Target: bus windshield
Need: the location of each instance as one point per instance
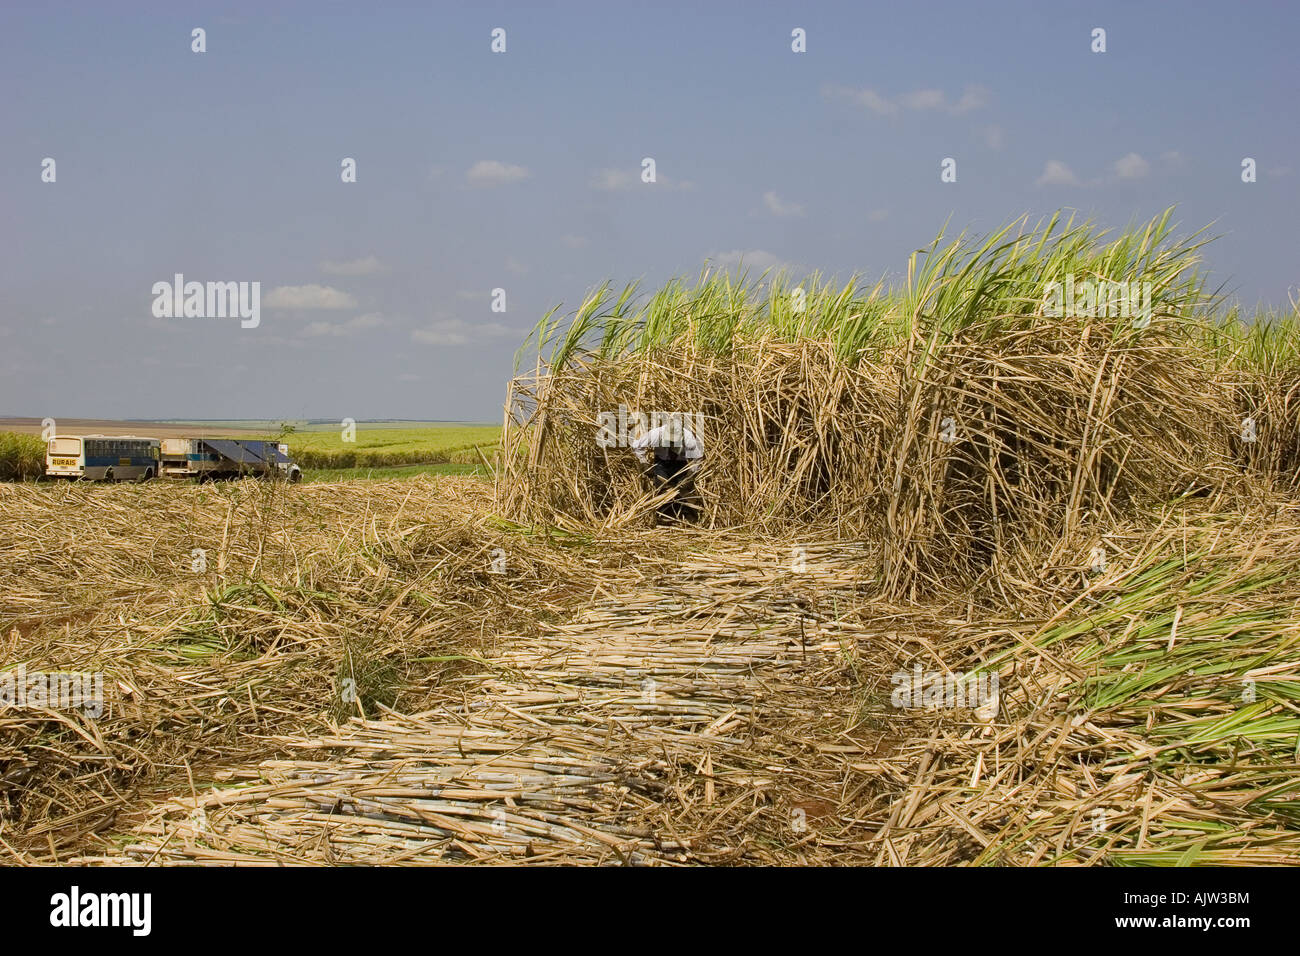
(65, 446)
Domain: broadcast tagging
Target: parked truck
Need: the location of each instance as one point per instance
(209, 458)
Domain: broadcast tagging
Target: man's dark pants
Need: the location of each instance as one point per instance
(674, 473)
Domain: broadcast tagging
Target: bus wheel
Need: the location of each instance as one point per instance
(148, 473)
(108, 475)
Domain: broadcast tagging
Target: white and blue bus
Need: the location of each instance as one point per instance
(102, 457)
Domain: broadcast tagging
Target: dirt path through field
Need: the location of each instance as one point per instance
(674, 725)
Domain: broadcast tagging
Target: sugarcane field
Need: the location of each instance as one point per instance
(915, 488)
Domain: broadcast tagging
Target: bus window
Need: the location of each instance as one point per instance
(65, 446)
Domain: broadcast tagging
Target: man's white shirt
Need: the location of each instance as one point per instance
(658, 438)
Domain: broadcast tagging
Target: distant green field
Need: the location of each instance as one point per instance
(438, 440)
(400, 471)
(378, 447)
(319, 445)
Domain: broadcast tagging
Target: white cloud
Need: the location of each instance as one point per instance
(354, 267)
(779, 207)
(1131, 166)
(922, 100)
(992, 137)
(608, 180)
(458, 332)
(573, 242)
(869, 99)
(515, 266)
(972, 98)
(371, 320)
(1056, 173)
(1172, 157)
(308, 297)
(492, 172)
(878, 215)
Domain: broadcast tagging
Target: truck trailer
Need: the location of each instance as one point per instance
(209, 458)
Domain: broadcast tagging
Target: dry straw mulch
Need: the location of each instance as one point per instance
(694, 697)
(304, 588)
(660, 726)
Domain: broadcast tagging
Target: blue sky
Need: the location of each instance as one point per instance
(521, 171)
